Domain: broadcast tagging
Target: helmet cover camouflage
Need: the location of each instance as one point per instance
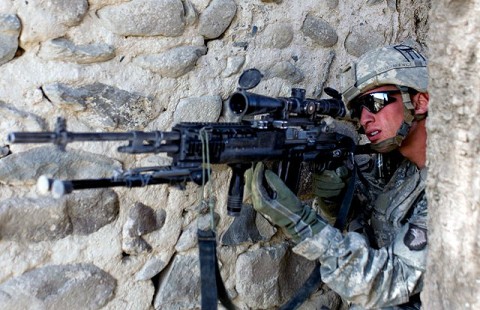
(399, 65)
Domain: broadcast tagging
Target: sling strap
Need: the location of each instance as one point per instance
(212, 287)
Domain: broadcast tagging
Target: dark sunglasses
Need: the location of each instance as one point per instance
(373, 102)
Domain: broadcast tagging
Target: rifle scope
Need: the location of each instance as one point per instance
(246, 103)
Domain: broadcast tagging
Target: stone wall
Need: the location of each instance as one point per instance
(453, 270)
(145, 65)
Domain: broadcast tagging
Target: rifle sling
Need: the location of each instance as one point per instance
(212, 287)
(311, 285)
(315, 280)
(342, 216)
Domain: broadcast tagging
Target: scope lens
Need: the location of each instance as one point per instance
(238, 103)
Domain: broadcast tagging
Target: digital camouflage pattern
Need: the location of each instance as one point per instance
(398, 65)
(388, 270)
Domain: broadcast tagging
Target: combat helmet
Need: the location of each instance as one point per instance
(400, 65)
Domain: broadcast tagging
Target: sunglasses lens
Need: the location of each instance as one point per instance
(373, 102)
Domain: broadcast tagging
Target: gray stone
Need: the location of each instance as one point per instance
(392, 5)
(141, 220)
(45, 218)
(14, 119)
(34, 220)
(145, 18)
(65, 50)
(76, 286)
(277, 36)
(319, 31)
(172, 63)
(374, 2)
(26, 167)
(179, 287)
(234, 64)
(285, 70)
(216, 18)
(47, 19)
(135, 246)
(361, 39)
(116, 107)
(331, 4)
(243, 228)
(324, 298)
(266, 230)
(144, 219)
(188, 239)
(91, 210)
(198, 109)
(191, 14)
(66, 96)
(96, 4)
(151, 268)
(5, 151)
(257, 274)
(9, 31)
(294, 271)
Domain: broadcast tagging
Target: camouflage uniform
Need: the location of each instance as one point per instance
(386, 269)
(388, 273)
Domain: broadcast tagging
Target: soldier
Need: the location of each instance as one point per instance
(386, 91)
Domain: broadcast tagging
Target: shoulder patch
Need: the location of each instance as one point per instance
(415, 238)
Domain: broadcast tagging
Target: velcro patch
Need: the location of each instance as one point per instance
(415, 238)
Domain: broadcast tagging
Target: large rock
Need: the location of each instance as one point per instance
(9, 32)
(277, 36)
(319, 31)
(172, 63)
(34, 220)
(45, 218)
(200, 109)
(62, 49)
(90, 210)
(257, 275)
(145, 18)
(14, 119)
(285, 70)
(26, 167)
(114, 107)
(361, 39)
(243, 228)
(141, 220)
(48, 19)
(216, 18)
(188, 239)
(179, 288)
(79, 286)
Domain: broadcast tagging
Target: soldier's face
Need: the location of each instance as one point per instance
(385, 123)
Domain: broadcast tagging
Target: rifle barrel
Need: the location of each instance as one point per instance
(67, 136)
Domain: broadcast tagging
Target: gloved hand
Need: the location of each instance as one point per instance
(327, 185)
(271, 197)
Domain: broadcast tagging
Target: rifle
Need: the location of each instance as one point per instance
(287, 130)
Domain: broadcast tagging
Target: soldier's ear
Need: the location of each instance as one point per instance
(420, 102)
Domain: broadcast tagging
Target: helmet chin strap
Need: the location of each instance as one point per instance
(393, 143)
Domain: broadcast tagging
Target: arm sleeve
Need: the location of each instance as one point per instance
(366, 276)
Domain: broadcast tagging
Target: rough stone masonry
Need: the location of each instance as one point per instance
(145, 65)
